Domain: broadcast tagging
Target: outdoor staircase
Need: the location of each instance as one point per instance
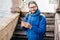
(50, 17)
(21, 35)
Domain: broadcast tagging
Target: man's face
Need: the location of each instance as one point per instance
(32, 8)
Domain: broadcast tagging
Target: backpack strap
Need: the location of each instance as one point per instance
(41, 15)
(27, 16)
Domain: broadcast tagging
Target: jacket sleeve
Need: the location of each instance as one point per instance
(25, 19)
(42, 26)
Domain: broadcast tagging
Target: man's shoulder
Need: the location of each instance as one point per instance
(42, 15)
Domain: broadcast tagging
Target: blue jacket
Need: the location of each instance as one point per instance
(38, 24)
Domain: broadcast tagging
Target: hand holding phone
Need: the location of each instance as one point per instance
(25, 24)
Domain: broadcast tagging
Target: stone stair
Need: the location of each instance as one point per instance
(21, 35)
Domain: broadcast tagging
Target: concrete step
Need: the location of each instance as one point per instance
(48, 38)
(49, 15)
(50, 22)
(50, 19)
(50, 34)
(20, 32)
(50, 28)
(18, 38)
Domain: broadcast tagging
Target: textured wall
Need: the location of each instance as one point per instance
(7, 26)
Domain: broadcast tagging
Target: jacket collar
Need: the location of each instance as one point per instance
(37, 13)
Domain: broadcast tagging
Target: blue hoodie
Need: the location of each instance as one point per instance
(38, 24)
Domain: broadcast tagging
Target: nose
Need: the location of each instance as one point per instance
(32, 9)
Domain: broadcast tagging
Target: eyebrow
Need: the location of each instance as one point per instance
(34, 6)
